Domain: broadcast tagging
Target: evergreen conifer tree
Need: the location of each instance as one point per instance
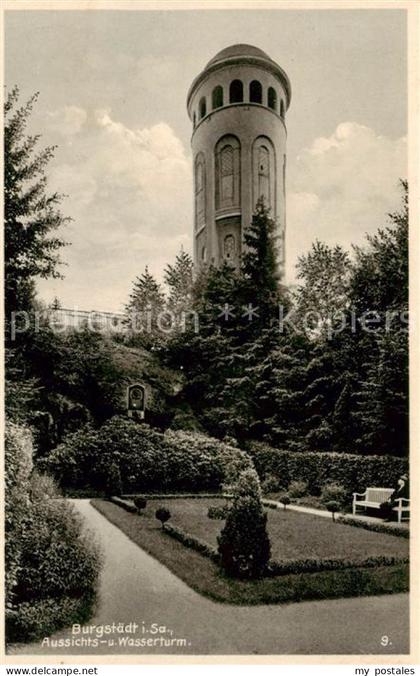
(179, 279)
(143, 310)
(244, 546)
(31, 214)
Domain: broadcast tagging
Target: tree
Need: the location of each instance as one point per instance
(382, 399)
(244, 546)
(323, 295)
(286, 397)
(379, 287)
(55, 304)
(379, 279)
(143, 309)
(259, 283)
(31, 213)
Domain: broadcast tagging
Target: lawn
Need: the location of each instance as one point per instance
(204, 576)
(293, 535)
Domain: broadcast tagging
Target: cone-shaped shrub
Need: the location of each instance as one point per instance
(244, 546)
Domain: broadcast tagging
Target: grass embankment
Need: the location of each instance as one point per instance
(205, 577)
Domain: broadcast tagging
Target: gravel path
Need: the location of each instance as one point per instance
(135, 588)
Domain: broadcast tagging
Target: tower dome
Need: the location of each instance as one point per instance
(238, 50)
(237, 105)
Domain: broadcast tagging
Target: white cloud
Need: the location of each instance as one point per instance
(130, 195)
(341, 188)
(130, 199)
(68, 120)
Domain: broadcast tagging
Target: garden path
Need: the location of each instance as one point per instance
(134, 587)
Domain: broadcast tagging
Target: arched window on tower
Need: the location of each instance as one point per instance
(255, 92)
(264, 172)
(282, 108)
(227, 162)
(272, 98)
(200, 190)
(236, 92)
(202, 107)
(217, 97)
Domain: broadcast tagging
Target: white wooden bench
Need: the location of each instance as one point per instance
(374, 497)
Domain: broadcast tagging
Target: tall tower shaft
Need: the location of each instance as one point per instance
(237, 106)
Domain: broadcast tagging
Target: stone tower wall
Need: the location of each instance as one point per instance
(249, 126)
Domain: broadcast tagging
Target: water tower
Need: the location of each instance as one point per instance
(237, 106)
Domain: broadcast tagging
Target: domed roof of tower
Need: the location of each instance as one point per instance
(237, 55)
(238, 50)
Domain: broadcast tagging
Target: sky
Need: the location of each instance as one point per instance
(113, 87)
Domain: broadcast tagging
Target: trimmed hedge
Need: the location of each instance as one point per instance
(354, 472)
(175, 496)
(292, 567)
(380, 527)
(125, 504)
(271, 504)
(145, 459)
(192, 542)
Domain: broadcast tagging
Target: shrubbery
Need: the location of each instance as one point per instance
(143, 459)
(244, 546)
(58, 558)
(18, 466)
(297, 489)
(353, 472)
(333, 492)
(270, 484)
(36, 619)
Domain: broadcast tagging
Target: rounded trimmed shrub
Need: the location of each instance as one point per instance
(140, 503)
(163, 515)
(333, 506)
(285, 500)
